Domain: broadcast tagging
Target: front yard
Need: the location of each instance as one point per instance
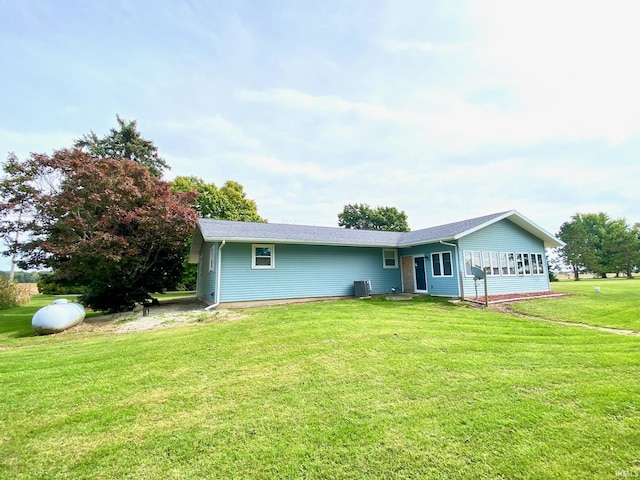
(347, 389)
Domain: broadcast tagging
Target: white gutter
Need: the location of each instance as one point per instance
(218, 275)
(460, 284)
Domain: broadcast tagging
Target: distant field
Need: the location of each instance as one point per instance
(330, 390)
(590, 276)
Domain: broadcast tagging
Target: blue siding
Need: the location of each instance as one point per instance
(440, 286)
(504, 236)
(303, 271)
(206, 280)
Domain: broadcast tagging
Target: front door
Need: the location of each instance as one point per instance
(408, 283)
(421, 274)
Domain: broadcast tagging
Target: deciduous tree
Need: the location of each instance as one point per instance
(580, 251)
(622, 247)
(361, 216)
(228, 202)
(104, 224)
(16, 207)
(600, 245)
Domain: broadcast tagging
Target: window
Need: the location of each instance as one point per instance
(527, 265)
(495, 263)
(471, 259)
(537, 267)
(263, 256)
(435, 264)
(467, 262)
(446, 264)
(441, 264)
(212, 259)
(486, 262)
(512, 263)
(504, 266)
(519, 264)
(502, 263)
(389, 258)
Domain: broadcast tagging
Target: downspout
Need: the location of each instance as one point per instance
(460, 284)
(218, 276)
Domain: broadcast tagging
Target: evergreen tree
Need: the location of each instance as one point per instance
(124, 142)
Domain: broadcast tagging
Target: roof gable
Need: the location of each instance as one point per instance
(449, 231)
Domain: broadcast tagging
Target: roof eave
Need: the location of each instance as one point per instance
(299, 242)
(417, 243)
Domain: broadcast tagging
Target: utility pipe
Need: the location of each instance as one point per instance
(218, 275)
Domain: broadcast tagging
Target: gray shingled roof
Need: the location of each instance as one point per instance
(283, 233)
(217, 230)
(212, 230)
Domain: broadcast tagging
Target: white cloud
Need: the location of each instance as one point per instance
(571, 64)
(22, 143)
(275, 166)
(398, 46)
(324, 104)
(218, 126)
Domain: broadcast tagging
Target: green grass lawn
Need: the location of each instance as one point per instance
(347, 389)
(617, 305)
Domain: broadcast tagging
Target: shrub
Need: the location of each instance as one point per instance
(11, 295)
(47, 285)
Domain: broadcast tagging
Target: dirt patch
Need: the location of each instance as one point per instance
(513, 297)
(505, 307)
(169, 313)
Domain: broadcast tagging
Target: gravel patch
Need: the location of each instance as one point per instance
(170, 313)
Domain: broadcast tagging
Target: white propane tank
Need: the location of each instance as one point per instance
(58, 316)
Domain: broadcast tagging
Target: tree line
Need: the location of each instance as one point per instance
(599, 244)
(27, 277)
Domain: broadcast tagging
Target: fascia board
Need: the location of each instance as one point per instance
(298, 242)
(425, 242)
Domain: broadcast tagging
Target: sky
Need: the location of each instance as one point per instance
(446, 110)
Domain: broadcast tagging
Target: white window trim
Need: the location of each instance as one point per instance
(508, 265)
(395, 258)
(441, 261)
(502, 255)
(534, 258)
(471, 252)
(253, 256)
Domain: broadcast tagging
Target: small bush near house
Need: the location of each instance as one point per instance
(11, 295)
